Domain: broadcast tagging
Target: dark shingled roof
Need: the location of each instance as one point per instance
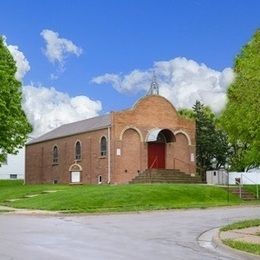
(78, 127)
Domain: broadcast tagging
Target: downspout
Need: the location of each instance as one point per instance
(25, 175)
(108, 156)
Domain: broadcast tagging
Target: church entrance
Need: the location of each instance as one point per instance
(156, 155)
(157, 139)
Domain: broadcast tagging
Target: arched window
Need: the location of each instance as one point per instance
(103, 146)
(55, 154)
(78, 150)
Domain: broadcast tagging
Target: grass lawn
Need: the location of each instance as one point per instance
(247, 247)
(242, 224)
(109, 198)
(243, 246)
(12, 189)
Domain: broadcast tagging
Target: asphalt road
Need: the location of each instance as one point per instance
(153, 235)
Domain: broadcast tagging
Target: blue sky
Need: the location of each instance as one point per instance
(119, 37)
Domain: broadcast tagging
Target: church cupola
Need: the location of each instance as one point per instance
(154, 88)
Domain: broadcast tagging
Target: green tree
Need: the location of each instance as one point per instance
(237, 159)
(212, 148)
(14, 126)
(187, 113)
(241, 117)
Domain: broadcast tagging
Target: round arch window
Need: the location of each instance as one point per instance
(55, 154)
(103, 146)
(78, 150)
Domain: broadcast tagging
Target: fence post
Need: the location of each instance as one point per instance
(228, 184)
(240, 185)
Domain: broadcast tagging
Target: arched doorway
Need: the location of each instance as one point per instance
(157, 139)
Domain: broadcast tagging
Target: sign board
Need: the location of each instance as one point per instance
(75, 177)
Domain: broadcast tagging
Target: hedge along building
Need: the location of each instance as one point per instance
(116, 147)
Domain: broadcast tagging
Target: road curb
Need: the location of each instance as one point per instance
(217, 242)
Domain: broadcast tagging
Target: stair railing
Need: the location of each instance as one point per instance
(238, 181)
(154, 161)
(174, 163)
(257, 190)
(151, 166)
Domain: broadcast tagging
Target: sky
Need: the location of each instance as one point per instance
(78, 59)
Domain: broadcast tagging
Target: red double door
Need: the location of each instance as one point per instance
(156, 155)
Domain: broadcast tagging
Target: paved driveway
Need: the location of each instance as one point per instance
(152, 235)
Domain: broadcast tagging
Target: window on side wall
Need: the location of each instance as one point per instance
(78, 150)
(55, 155)
(103, 146)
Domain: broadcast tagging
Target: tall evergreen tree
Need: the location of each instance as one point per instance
(241, 118)
(211, 143)
(14, 126)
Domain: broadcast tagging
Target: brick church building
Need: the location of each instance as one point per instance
(116, 147)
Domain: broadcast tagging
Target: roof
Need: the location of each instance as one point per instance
(142, 99)
(78, 127)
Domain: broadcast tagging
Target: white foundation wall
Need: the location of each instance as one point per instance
(250, 177)
(222, 177)
(14, 167)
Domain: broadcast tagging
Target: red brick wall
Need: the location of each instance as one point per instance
(40, 168)
(181, 153)
(128, 164)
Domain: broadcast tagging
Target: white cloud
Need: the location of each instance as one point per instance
(182, 81)
(47, 108)
(57, 49)
(22, 63)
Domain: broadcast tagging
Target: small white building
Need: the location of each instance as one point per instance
(14, 167)
(217, 177)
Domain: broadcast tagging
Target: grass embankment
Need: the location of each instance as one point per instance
(253, 189)
(240, 245)
(242, 224)
(110, 198)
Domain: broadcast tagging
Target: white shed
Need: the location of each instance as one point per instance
(217, 177)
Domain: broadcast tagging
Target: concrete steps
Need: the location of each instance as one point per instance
(245, 195)
(165, 176)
